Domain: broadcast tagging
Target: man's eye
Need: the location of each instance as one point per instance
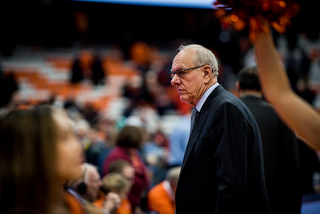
(182, 73)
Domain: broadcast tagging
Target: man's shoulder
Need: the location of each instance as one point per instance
(225, 98)
(256, 100)
(220, 95)
(259, 106)
(226, 102)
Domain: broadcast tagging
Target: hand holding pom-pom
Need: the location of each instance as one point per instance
(257, 14)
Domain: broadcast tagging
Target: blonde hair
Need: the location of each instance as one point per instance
(115, 182)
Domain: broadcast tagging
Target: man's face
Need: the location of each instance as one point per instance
(93, 185)
(190, 88)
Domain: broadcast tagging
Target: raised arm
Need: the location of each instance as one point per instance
(293, 110)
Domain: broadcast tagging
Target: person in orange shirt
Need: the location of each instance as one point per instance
(161, 197)
(116, 183)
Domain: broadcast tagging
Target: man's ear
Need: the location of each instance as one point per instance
(207, 73)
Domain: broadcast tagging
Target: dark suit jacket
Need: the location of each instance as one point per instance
(222, 170)
(281, 157)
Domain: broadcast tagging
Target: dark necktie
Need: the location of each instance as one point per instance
(193, 117)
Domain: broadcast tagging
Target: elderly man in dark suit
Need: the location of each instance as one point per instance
(280, 147)
(222, 169)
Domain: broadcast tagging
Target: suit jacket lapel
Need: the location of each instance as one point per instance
(199, 122)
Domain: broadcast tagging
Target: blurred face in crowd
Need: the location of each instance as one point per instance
(124, 193)
(93, 182)
(128, 173)
(191, 85)
(69, 150)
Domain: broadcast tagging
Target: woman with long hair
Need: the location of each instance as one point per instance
(38, 153)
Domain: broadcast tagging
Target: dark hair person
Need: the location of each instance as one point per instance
(129, 140)
(130, 137)
(38, 152)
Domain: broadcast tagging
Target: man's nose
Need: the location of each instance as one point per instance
(175, 80)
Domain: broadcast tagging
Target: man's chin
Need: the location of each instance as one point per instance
(184, 100)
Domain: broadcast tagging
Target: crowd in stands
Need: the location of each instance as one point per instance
(131, 164)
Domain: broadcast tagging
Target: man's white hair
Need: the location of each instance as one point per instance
(88, 170)
(203, 56)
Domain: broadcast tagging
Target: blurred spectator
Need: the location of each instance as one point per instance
(310, 165)
(72, 109)
(127, 144)
(161, 198)
(148, 115)
(280, 146)
(81, 127)
(106, 129)
(305, 91)
(314, 75)
(293, 71)
(90, 140)
(124, 168)
(127, 171)
(8, 91)
(86, 188)
(136, 92)
(98, 74)
(107, 126)
(94, 146)
(141, 54)
(163, 102)
(157, 145)
(163, 76)
(88, 66)
(155, 152)
(316, 176)
(76, 71)
(158, 82)
(89, 112)
(38, 152)
(115, 182)
(179, 140)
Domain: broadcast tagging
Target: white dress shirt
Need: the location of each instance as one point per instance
(205, 96)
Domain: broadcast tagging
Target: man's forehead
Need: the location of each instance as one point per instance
(183, 59)
(94, 176)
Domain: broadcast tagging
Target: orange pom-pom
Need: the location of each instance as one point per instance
(257, 14)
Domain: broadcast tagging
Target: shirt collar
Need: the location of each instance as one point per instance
(205, 96)
(167, 187)
(75, 194)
